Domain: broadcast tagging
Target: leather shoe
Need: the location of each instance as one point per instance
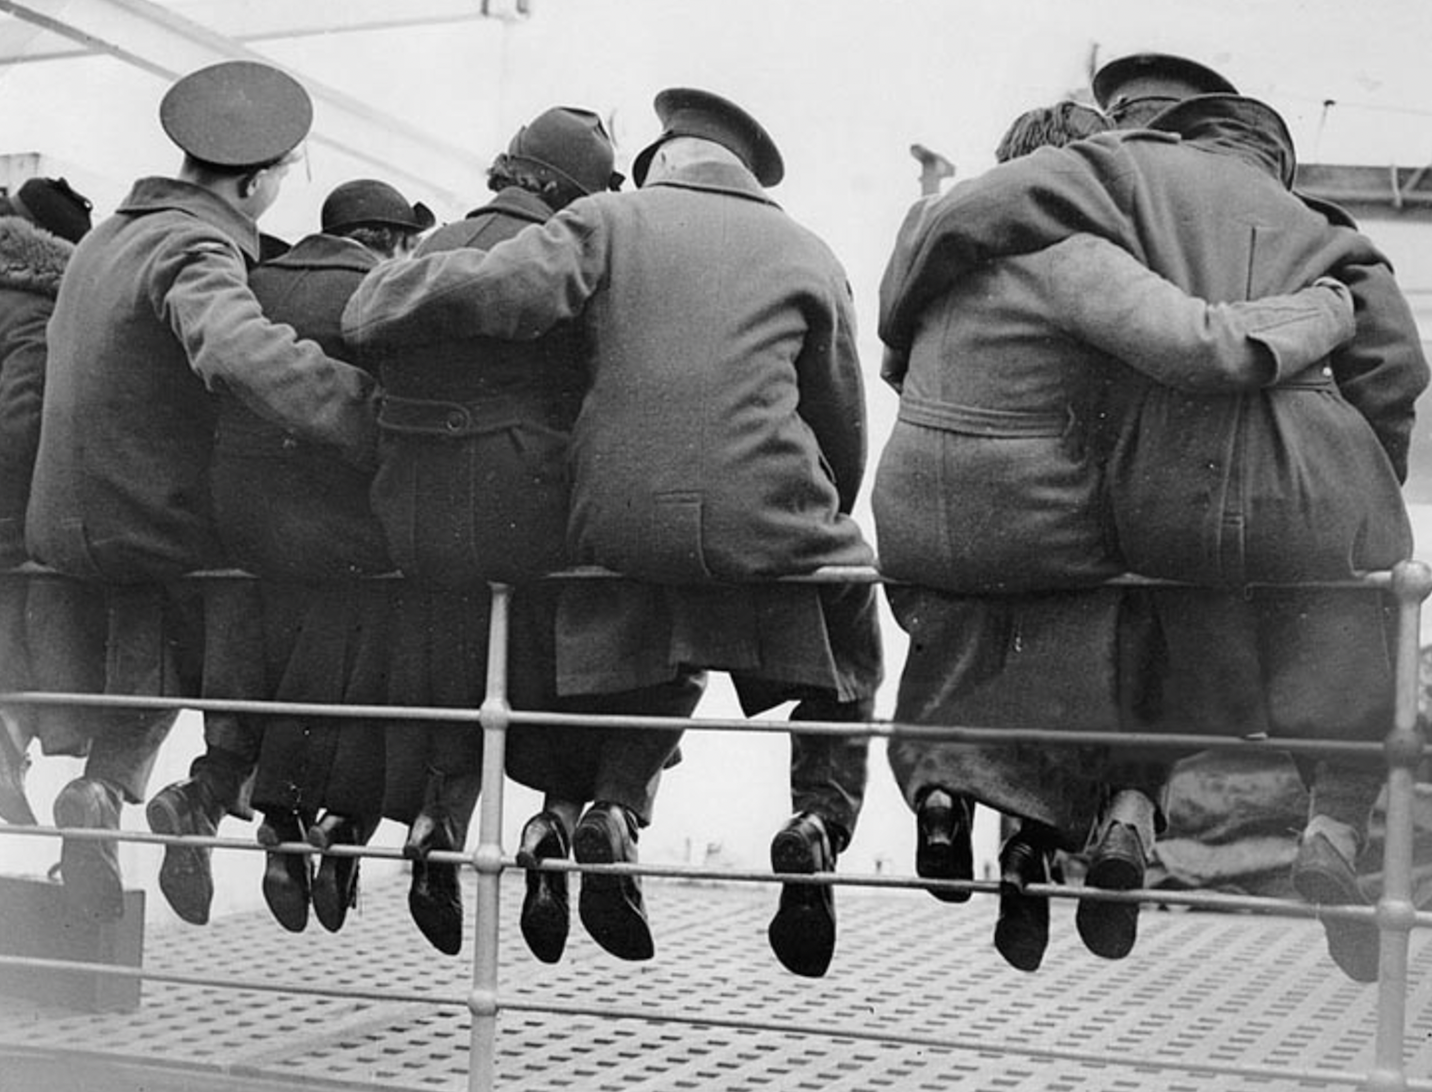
(611, 907)
(1117, 863)
(1324, 877)
(546, 911)
(435, 893)
(287, 876)
(90, 868)
(186, 808)
(943, 849)
(335, 881)
(1021, 933)
(14, 804)
(802, 934)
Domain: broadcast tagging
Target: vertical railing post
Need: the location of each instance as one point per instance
(487, 858)
(1411, 583)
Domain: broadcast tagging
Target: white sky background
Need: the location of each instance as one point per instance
(844, 87)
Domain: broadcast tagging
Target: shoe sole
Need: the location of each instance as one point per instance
(1020, 935)
(802, 933)
(603, 903)
(544, 919)
(284, 895)
(1110, 929)
(1355, 946)
(89, 869)
(439, 920)
(333, 896)
(184, 875)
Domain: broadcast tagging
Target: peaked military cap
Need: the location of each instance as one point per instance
(686, 111)
(368, 201)
(237, 114)
(1149, 69)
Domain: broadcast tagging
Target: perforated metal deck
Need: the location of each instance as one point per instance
(1235, 991)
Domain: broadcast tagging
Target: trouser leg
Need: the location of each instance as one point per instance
(123, 754)
(234, 666)
(155, 638)
(631, 760)
(828, 772)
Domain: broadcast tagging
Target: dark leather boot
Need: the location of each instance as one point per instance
(90, 867)
(546, 911)
(943, 847)
(802, 934)
(1324, 876)
(287, 876)
(611, 907)
(186, 808)
(335, 881)
(1021, 934)
(435, 894)
(1116, 863)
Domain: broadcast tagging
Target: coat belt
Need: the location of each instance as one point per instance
(430, 417)
(980, 420)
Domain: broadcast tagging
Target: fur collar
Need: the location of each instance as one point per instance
(31, 259)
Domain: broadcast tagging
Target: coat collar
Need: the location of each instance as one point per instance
(724, 178)
(515, 201)
(31, 259)
(326, 252)
(154, 194)
(1234, 125)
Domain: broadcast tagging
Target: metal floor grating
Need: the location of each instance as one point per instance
(1231, 989)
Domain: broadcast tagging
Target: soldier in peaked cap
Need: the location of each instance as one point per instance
(1132, 89)
(721, 442)
(690, 112)
(154, 315)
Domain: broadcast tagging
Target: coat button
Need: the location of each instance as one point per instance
(456, 420)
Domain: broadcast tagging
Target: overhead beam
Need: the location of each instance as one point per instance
(281, 20)
(159, 41)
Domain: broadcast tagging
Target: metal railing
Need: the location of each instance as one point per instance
(1395, 913)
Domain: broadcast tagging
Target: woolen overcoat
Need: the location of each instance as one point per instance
(297, 515)
(722, 437)
(153, 316)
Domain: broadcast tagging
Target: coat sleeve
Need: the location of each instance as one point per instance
(832, 390)
(202, 292)
(518, 290)
(22, 385)
(1018, 207)
(1105, 298)
(1382, 370)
